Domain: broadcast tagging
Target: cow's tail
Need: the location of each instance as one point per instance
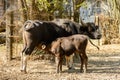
(93, 44)
(28, 25)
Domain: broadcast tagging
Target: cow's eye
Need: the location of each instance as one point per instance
(92, 30)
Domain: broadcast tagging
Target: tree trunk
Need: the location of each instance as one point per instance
(118, 8)
(34, 11)
(24, 10)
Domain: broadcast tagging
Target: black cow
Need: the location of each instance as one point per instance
(89, 29)
(44, 32)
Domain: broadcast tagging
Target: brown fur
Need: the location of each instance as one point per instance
(66, 46)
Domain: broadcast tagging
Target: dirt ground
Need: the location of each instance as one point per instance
(102, 65)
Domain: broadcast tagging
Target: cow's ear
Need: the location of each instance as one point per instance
(91, 27)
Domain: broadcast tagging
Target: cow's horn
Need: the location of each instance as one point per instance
(96, 20)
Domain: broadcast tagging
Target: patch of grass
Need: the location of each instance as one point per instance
(2, 47)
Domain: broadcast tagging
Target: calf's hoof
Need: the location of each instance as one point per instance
(83, 71)
(58, 71)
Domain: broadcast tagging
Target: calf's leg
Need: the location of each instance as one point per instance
(81, 68)
(61, 60)
(57, 60)
(69, 61)
(58, 64)
(84, 61)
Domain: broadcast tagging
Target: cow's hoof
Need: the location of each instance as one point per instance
(23, 71)
(71, 68)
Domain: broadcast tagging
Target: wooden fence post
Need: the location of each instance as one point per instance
(9, 24)
(119, 29)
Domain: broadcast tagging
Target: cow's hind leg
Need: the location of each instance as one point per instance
(24, 62)
(21, 54)
(24, 56)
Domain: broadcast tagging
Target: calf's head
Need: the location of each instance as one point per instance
(56, 48)
(91, 30)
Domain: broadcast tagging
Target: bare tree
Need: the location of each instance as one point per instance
(23, 9)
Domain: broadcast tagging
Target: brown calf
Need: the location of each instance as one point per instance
(66, 46)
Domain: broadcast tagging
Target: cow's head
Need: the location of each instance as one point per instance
(91, 30)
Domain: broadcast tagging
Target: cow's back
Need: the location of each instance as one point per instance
(68, 25)
(43, 31)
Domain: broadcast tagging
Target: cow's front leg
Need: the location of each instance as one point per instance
(24, 58)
